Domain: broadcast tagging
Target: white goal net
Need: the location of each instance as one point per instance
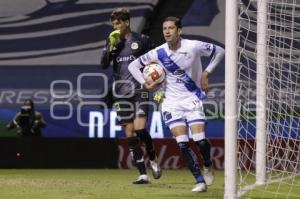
(282, 102)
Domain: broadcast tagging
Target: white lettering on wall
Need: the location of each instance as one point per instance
(156, 128)
(95, 124)
(113, 126)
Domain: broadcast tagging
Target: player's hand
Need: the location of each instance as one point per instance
(113, 37)
(204, 81)
(150, 86)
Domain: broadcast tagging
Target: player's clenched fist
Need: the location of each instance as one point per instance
(113, 38)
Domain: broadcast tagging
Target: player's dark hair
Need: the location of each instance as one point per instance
(120, 14)
(29, 102)
(27, 107)
(176, 21)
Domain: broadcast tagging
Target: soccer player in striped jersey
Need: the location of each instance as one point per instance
(185, 87)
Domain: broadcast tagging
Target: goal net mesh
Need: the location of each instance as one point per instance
(283, 99)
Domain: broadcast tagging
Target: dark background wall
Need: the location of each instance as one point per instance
(28, 152)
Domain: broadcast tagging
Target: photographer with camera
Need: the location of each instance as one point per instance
(28, 121)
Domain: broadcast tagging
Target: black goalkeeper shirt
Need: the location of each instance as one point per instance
(126, 51)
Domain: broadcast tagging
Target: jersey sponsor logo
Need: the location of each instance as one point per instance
(208, 47)
(125, 58)
(180, 74)
(179, 81)
(169, 64)
(172, 67)
(134, 46)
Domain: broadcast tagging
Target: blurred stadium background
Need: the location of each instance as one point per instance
(50, 52)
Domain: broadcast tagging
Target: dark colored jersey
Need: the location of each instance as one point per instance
(28, 124)
(130, 108)
(125, 52)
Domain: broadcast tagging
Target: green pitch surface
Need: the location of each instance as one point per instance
(101, 184)
(117, 184)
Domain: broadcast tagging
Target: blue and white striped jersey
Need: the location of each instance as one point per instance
(183, 67)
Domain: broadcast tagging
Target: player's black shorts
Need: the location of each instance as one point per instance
(129, 108)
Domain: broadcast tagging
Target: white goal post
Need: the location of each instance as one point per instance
(262, 99)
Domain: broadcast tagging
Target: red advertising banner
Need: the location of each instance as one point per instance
(169, 155)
